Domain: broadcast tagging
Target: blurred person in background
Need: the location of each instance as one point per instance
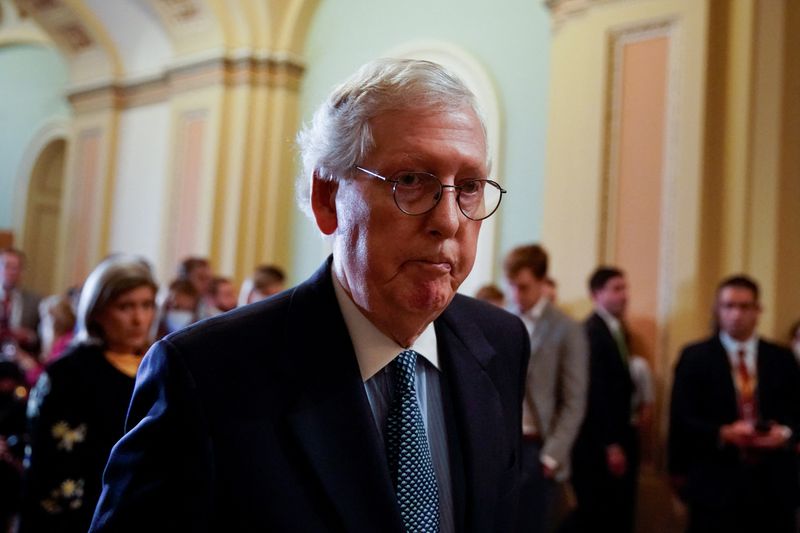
(491, 293)
(734, 422)
(605, 458)
(57, 326)
(197, 271)
(794, 340)
(179, 308)
(643, 397)
(550, 289)
(13, 395)
(266, 281)
(555, 388)
(77, 410)
(223, 295)
(19, 308)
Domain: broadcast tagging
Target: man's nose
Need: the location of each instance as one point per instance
(444, 218)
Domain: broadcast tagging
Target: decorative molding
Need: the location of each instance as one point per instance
(184, 17)
(17, 28)
(61, 23)
(562, 11)
(105, 97)
(618, 39)
(270, 70)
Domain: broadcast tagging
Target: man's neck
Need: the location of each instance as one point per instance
(404, 329)
(603, 312)
(537, 306)
(741, 339)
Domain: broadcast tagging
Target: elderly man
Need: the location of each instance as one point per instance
(371, 397)
(735, 418)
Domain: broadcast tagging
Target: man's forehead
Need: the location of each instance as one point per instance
(616, 282)
(461, 120)
(739, 294)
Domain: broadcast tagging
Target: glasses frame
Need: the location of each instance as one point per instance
(438, 199)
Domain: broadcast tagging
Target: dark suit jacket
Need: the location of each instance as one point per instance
(608, 409)
(704, 398)
(257, 420)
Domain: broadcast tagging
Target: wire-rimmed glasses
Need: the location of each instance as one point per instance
(417, 193)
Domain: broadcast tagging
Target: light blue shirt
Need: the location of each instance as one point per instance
(374, 352)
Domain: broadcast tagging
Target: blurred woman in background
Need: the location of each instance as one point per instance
(77, 409)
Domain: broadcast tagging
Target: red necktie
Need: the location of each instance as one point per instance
(746, 388)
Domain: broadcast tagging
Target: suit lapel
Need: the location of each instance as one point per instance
(728, 388)
(542, 328)
(465, 354)
(332, 420)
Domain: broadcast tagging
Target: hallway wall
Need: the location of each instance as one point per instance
(30, 98)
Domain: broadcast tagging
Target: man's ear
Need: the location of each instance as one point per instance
(323, 203)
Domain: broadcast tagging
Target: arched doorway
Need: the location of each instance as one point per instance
(42, 214)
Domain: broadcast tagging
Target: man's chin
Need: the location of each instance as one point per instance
(429, 298)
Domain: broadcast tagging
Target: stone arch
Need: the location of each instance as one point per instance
(40, 187)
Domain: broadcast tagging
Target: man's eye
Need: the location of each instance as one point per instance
(409, 179)
(471, 187)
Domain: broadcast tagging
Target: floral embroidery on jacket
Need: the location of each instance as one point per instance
(67, 497)
(67, 436)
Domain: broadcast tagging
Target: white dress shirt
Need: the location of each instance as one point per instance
(374, 352)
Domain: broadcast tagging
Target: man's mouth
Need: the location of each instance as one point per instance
(440, 266)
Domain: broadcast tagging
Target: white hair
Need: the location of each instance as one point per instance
(339, 134)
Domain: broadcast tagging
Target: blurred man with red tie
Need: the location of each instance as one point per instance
(735, 418)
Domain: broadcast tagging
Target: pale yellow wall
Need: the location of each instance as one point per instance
(578, 141)
(787, 304)
(89, 182)
(638, 190)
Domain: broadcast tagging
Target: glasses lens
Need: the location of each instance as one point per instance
(416, 192)
(478, 199)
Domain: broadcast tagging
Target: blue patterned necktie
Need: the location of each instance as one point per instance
(409, 455)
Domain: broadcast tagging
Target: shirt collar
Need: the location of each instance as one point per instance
(537, 310)
(374, 350)
(733, 346)
(611, 321)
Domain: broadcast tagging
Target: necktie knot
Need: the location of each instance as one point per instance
(405, 366)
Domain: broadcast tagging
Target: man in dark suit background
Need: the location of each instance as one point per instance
(735, 417)
(605, 455)
(371, 397)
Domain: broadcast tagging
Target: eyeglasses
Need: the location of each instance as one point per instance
(417, 193)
